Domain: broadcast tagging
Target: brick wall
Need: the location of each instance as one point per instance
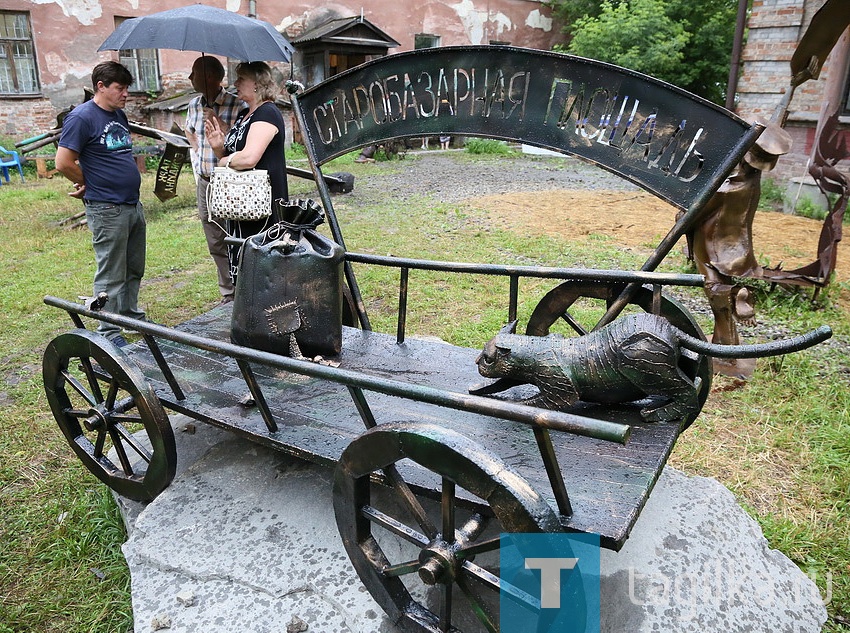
(774, 30)
(26, 117)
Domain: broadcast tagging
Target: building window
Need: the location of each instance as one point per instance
(143, 64)
(424, 40)
(18, 72)
(845, 106)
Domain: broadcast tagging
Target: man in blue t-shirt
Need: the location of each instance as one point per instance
(96, 154)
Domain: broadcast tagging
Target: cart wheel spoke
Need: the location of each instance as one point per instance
(411, 502)
(499, 585)
(118, 445)
(124, 437)
(99, 444)
(446, 607)
(478, 607)
(124, 418)
(448, 510)
(401, 569)
(457, 483)
(396, 527)
(582, 303)
(89, 370)
(482, 547)
(109, 414)
(112, 394)
(78, 387)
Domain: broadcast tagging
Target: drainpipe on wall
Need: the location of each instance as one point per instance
(252, 8)
(737, 46)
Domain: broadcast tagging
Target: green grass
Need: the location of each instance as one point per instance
(488, 146)
(781, 443)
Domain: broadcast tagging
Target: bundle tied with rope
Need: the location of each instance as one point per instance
(289, 289)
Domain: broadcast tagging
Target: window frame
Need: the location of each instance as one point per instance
(418, 43)
(9, 44)
(135, 59)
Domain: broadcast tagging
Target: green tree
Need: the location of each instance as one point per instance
(683, 42)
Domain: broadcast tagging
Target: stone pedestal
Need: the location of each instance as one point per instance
(245, 540)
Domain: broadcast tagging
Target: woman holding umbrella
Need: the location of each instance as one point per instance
(256, 140)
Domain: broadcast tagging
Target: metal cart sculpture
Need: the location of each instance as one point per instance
(422, 495)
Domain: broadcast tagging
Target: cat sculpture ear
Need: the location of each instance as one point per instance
(509, 328)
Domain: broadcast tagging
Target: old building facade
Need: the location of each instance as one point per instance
(47, 48)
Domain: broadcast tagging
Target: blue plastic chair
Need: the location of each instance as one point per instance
(10, 159)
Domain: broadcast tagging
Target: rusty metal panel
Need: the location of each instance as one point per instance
(668, 141)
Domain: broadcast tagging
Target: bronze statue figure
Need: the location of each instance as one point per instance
(721, 244)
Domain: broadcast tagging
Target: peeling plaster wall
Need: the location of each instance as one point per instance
(67, 34)
(85, 12)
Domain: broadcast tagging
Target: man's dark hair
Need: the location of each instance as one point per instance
(110, 72)
(212, 67)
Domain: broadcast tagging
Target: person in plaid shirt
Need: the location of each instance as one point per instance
(214, 101)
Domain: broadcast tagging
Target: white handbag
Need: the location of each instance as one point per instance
(239, 195)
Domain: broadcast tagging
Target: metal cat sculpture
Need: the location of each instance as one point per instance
(635, 357)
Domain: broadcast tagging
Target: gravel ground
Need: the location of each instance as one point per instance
(441, 174)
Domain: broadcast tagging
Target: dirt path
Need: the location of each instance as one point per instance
(640, 220)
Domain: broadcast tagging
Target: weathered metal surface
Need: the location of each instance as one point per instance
(670, 142)
(591, 427)
(558, 303)
(664, 139)
(829, 148)
(318, 419)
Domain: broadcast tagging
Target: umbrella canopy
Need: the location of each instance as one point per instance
(198, 27)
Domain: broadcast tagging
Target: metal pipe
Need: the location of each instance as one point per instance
(737, 47)
(619, 276)
(575, 274)
(330, 214)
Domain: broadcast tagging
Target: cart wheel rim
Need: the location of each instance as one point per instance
(557, 302)
(98, 396)
(443, 564)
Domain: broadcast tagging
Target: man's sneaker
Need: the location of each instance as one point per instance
(119, 341)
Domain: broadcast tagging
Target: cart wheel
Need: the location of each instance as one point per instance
(562, 303)
(475, 496)
(99, 399)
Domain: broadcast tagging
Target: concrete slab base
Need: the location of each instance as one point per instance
(245, 540)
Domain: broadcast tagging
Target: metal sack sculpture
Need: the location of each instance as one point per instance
(635, 357)
(289, 290)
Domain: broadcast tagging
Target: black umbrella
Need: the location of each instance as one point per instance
(198, 27)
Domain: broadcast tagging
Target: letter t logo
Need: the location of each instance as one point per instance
(550, 578)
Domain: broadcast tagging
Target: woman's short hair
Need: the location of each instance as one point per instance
(261, 74)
